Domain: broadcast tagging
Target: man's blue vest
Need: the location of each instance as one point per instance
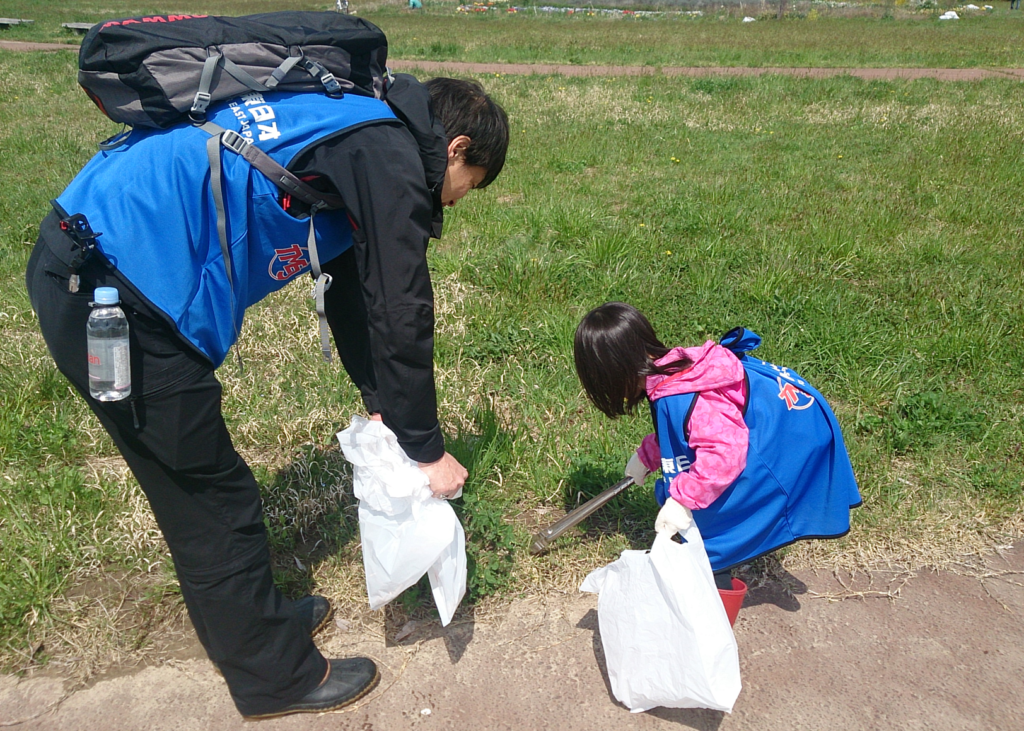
(150, 197)
(798, 482)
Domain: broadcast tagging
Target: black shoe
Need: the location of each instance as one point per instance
(315, 612)
(349, 680)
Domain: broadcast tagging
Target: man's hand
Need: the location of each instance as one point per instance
(674, 517)
(446, 476)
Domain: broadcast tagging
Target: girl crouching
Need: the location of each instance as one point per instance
(747, 449)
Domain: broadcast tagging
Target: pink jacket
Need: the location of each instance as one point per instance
(718, 434)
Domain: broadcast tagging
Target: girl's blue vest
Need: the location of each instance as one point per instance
(150, 197)
(798, 481)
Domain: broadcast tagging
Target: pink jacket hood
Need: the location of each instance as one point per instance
(713, 367)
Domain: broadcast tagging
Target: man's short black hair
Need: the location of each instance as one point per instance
(465, 109)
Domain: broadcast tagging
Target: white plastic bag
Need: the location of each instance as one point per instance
(405, 531)
(666, 637)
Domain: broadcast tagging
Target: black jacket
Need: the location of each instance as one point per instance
(381, 305)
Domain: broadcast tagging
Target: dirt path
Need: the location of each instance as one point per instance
(456, 67)
(946, 653)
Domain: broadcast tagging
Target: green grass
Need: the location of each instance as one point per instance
(869, 231)
(867, 35)
(916, 41)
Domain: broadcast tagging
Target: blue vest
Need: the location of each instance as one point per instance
(798, 482)
(151, 199)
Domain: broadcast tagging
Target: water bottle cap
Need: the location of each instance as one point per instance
(106, 296)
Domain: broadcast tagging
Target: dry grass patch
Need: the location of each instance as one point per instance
(932, 117)
(590, 102)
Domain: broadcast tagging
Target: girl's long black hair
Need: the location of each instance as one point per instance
(615, 348)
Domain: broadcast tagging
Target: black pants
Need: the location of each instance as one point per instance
(723, 579)
(171, 433)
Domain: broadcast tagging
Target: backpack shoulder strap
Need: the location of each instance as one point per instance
(286, 181)
(275, 172)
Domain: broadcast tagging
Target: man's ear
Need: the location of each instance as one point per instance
(457, 147)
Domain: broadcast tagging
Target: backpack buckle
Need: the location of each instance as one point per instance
(199, 104)
(331, 84)
(82, 236)
(233, 141)
(321, 283)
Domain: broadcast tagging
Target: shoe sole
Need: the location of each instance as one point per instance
(373, 684)
(323, 622)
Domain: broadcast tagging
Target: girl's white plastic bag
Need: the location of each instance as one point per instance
(405, 531)
(667, 640)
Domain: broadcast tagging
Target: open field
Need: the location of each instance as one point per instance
(869, 231)
(866, 35)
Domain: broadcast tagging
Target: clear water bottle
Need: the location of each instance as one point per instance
(110, 377)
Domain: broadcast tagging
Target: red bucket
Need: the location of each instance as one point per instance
(733, 599)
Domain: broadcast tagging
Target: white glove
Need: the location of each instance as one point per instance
(674, 517)
(636, 469)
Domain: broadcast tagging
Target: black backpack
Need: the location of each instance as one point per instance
(163, 70)
(158, 70)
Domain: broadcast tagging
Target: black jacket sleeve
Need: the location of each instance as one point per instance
(380, 305)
